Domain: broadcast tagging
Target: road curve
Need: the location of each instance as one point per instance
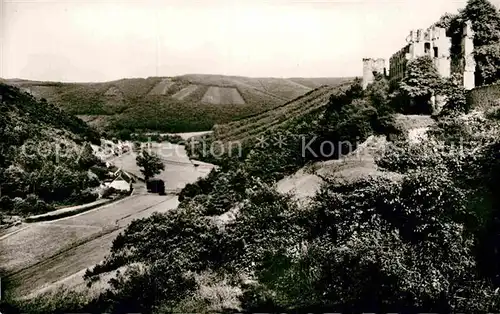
(41, 254)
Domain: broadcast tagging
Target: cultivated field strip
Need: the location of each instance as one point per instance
(222, 96)
(162, 87)
(185, 92)
(280, 123)
(114, 92)
(310, 95)
(283, 87)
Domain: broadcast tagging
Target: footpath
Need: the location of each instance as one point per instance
(69, 211)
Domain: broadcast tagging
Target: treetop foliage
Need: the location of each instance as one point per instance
(150, 163)
(485, 20)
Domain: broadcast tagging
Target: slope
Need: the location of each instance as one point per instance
(43, 159)
(187, 103)
(253, 126)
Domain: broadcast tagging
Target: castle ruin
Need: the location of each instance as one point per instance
(431, 42)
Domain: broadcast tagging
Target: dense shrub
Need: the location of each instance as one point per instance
(6, 204)
(456, 100)
(193, 245)
(88, 195)
(379, 245)
(30, 205)
(108, 192)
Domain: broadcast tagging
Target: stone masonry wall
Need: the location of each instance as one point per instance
(484, 97)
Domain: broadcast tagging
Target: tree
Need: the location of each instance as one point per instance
(447, 20)
(420, 83)
(485, 21)
(378, 93)
(487, 59)
(150, 163)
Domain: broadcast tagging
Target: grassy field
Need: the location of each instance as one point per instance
(179, 170)
(171, 104)
(61, 248)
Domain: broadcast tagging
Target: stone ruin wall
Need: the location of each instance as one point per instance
(434, 43)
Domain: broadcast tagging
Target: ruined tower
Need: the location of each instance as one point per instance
(468, 57)
(371, 66)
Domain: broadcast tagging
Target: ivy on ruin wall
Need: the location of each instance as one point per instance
(485, 20)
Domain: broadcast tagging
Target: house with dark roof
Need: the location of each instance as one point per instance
(122, 181)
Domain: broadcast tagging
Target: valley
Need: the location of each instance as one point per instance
(202, 193)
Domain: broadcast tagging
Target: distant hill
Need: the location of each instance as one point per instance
(187, 103)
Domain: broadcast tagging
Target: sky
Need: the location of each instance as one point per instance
(83, 41)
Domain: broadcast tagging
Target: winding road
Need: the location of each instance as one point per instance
(44, 255)
(40, 254)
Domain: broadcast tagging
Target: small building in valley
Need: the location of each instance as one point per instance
(122, 181)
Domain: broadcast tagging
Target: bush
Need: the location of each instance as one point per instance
(169, 246)
(6, 204)
(108, 192)
(375, 245)
(100, 171)
(203, 185)
(173, 138)
(88, 195)
(456, 100)
(31, 205)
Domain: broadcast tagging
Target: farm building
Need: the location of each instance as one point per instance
(122, 181)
